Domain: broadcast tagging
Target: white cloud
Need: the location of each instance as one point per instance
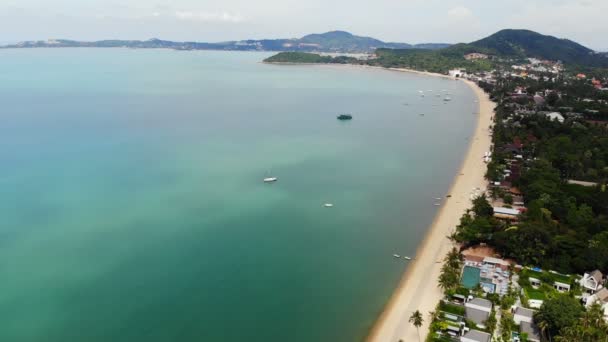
(209, 16)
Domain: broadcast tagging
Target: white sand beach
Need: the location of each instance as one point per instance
(418, 288)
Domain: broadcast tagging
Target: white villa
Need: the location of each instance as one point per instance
(592, 282)
(478, 310)
(556, 116)
(460, 73)
(522, 315)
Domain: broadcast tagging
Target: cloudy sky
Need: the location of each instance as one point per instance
(412, 21)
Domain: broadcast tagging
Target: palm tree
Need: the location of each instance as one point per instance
(416, 319)
(543, 326)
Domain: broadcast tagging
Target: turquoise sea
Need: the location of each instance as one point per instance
(133, 209)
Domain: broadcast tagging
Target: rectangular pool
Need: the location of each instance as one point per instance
(470, 277)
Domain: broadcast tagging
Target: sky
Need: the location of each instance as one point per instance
(410, 21)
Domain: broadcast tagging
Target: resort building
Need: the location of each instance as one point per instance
(478, 310)
(531, 329)
(492, 274)
(459, 73)
(475, 55)
(496, 263)
(476, 336)
(600, 297)
(556, 116)
(506, 213)
(561, 287)
(523, 315)
(592, 282)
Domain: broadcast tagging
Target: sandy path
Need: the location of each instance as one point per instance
(418, 288)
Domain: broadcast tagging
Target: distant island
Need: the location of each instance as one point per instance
(503, 48)
(334, 41)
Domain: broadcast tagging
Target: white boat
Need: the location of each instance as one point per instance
(397, 255)
(437, 204)
(328, 205)
(407, 258)
(438, 198)
(447, 98)
(270, 179)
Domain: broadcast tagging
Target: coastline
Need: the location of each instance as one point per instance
(418, 288)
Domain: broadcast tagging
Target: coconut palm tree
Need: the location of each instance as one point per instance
(543, 326)
(416, 320)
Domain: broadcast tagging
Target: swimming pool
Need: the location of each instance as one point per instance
(470, 277)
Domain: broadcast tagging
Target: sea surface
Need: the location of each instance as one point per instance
(132, 206)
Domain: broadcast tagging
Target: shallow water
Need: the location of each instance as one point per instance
(133, 206)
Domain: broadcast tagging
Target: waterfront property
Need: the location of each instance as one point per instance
(531, 330)
(506, 213)
(476, 336)
(491, 274)
(478, 310)
(522, 315)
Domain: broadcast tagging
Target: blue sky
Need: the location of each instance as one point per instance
(413, 21)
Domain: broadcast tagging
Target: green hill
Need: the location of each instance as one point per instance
(525, 43)
(344, 41)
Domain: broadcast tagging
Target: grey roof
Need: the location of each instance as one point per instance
(481, 302)
(597, 275)
(524, 312)
(475, 315)
(475, 335)
(602, 295)
(531, 329)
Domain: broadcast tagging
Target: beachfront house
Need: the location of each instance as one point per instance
(496, 263)
(478, 310)
(555, 116)
(506, 213)
(531, 330)
(523, 315)
(458, 73)
(592, 282)
(476, 336)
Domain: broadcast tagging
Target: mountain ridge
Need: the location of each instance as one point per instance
(332, 41)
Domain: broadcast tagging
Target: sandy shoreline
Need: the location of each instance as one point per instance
(418, 288)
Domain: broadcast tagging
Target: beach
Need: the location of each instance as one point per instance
(418, 288)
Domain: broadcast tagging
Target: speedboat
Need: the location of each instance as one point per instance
(328, 205)
(407, 258)
(270, 179)
(397, 255)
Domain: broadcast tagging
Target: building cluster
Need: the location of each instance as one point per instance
(465, 314)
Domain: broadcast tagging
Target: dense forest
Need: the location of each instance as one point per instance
(565, 227)
(309, 58)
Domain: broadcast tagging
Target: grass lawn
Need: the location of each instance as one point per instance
(561, 278)
(532, 293)
(453, 309)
